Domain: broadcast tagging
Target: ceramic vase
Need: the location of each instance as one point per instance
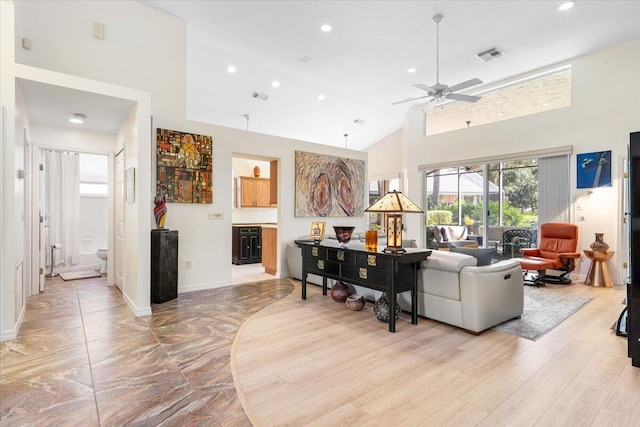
(256, 171)
(355, 302)
(339, 291)
(599, 245)
(381, 308)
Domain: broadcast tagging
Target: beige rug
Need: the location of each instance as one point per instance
(77, 275)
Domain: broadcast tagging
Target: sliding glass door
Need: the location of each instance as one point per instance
(501, 195)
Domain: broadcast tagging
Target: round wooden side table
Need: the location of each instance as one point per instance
(598, 274)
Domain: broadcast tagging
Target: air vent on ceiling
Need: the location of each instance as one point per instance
(490, 54)
(260, 95)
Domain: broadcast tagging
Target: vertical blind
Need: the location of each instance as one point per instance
(553, 189)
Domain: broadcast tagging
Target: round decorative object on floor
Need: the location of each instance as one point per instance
(355, 302)
(339, 291)
(381, 308)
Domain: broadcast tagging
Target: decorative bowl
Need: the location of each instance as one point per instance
(343, 234)
(355, 302)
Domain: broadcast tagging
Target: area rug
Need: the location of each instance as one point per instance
(544, 309)
(76, 275)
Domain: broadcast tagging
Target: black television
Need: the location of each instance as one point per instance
(633, 286)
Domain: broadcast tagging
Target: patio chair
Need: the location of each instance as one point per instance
(512, 241)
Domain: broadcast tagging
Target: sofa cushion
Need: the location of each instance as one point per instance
(449, 261)
(445, 234)
(483, 255)
(457, 232)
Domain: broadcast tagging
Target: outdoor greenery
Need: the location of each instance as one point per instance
(519, 207)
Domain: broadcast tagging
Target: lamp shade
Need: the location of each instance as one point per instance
(394, 201)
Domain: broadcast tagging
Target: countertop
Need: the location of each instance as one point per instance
(257, 224)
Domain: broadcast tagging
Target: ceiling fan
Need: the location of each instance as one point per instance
(439, 91)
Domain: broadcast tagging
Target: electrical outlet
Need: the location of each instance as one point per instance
(189, 264)
(215, 215)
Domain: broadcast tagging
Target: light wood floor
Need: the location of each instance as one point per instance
(314, 362)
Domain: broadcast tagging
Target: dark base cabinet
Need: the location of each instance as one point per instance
(164, 265)
(246, 245)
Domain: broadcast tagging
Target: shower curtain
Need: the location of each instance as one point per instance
(62, 204)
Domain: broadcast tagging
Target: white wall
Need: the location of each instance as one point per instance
(9, 311)
(143, 48)
(605, 109)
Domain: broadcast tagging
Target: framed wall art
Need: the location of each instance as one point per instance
(594, 169)
(184, 167)
(328, 186)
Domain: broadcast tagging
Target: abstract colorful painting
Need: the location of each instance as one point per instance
(185, 166)
(328, 185)
(594, 169)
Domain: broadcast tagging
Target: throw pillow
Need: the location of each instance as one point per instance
(445, 236)
(483, 255)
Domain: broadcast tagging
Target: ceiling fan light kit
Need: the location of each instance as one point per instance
(440, 91)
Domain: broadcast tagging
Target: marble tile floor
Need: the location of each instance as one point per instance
(83, 359)
(247, 273)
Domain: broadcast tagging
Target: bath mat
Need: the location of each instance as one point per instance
(76, 275)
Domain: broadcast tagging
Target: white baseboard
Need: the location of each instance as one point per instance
(204, 286)
(12, 334)
(138, 311)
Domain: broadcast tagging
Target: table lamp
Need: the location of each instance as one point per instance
(394, 204)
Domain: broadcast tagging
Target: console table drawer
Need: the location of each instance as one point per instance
(341, 256)
(363, 274)
(314, 252)
(321, 266)
(374, 261)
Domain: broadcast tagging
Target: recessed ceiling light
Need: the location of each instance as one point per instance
(566, 5)
(275, 83)
(231, 69)
(321, 97)
(326, 28)
(411, 70)
(77, 118)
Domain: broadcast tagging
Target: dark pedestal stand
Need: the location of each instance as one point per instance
(164, 265)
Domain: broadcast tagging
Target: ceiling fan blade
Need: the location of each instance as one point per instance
(425, 87)
(461, 97)
(464, 85)
(410, 99)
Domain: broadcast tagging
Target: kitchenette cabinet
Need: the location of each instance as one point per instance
(270, 249)
(246, 245)
(253, 192)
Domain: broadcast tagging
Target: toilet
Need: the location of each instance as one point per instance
(102, 254)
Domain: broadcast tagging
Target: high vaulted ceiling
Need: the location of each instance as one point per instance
(361, 65)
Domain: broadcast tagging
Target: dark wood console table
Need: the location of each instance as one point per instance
(387, 272)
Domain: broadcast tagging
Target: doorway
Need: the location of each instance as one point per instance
(254, 218)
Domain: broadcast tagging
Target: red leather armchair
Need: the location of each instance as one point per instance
(556, 251)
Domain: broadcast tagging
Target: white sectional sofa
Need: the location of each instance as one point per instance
(453, 290)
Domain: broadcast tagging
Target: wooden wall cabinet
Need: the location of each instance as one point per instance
(253, 192)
